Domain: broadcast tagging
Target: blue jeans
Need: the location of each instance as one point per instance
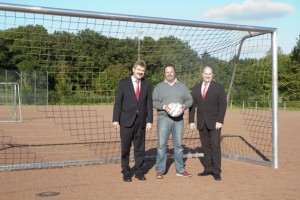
(165, 126)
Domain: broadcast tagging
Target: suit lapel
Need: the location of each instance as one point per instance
(131, 88)
(142, 89)
(210, 88)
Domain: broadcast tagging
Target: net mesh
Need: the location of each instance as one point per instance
(70, 67)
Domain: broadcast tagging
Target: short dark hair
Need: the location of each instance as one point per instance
(170, 65)
(140, 62)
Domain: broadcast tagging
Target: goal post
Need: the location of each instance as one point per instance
(10, 102)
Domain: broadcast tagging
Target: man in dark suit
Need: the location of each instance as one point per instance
(133, 115)
(210, 100)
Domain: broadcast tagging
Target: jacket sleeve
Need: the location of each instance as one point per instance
(193, 107)
(222, 104)
(118, 103)
(155, 96)
(188, 98)
(149, 105)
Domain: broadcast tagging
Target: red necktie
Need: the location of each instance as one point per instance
(204, 91)
(137, 90)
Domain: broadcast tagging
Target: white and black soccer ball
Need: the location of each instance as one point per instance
(175, 109)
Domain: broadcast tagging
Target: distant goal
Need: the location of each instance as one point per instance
(10, 102)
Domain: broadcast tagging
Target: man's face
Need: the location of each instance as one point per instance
(170, 74)
(138, 72)
(207, 75)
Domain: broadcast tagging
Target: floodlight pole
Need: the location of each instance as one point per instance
(140, 31)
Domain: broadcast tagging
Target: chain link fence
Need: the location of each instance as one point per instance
(33, 86)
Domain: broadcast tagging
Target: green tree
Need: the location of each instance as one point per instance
(28, 43)
(292, 75)
(295, 56)
(107, 81)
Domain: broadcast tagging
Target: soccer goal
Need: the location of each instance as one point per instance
(85, 54)
(10, 102)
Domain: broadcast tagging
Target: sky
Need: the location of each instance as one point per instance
(284, 15)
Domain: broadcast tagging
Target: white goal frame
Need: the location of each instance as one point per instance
(15, 104)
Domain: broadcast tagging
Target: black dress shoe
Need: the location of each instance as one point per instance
(140, 177)
(205, 173)
(127, 178)
(217, 177)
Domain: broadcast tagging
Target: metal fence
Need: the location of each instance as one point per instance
(33, 85)
(282, 105)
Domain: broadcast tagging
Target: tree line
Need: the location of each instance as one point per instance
(88, 65)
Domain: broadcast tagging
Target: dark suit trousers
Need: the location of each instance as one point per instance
(133, 135)
(211, 145)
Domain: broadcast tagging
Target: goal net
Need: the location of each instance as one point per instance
(85, 54)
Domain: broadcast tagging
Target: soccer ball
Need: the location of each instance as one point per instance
(175, 109)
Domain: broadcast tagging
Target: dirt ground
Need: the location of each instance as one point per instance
(239, 180)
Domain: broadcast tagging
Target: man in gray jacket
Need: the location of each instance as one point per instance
(169, 95)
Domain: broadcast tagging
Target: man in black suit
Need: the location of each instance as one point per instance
(133, 115)
(210, 100)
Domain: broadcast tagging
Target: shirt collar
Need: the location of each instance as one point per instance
(133, 78)
(175, 81)
(207, 83)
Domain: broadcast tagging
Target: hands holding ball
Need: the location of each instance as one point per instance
(174, 109)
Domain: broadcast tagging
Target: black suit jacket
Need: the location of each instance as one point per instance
(210, 110)
(126, 105)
